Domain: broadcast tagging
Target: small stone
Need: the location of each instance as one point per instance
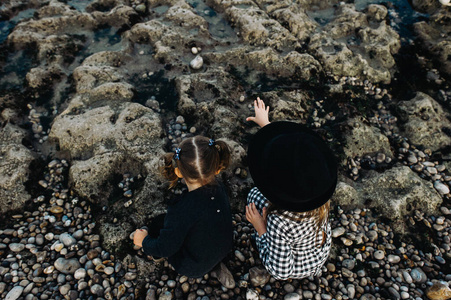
(306, 294)
(380, 158)
(407, 276)
(67, 266)
(240, 256)
(141, 8)
(64, 289)
(165, 296)
(185, 287)
(16, 247)
(242, 98)
(258, 276)
(14, 293)
(348, 263)
(418, 275)
(394, 293)
(197, 62)
(442, 188)
(194, 50)
(292, 296)
(67, 239)
(97, 289)
(336, 232)
(394, 259)
(108, 270)
(438, 291)
(251, 295)
(379, 254)
(80, 274)
(288, 288)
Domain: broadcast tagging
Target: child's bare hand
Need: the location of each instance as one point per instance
(257, 220)
(139, 236)
(261, 113)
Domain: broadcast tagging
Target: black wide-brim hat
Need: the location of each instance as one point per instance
(292, 166)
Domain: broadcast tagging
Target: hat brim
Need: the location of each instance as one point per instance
(292, 166)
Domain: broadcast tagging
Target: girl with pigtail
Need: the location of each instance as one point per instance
(197, 231)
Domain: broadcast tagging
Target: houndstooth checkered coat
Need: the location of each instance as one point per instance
(290, 249)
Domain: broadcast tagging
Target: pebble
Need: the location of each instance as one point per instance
(339, 231)
(292, 296)
(251, 294)
(418, 275)
(80, 273)
(16, 247)
(441, 187)
(14, 293)
(197, 62)
(67, 266)
(379, 254)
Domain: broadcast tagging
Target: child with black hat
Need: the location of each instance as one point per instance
(295, 174)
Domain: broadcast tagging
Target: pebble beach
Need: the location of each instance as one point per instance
(92, 93)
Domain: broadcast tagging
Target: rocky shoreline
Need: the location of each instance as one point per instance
(93, 92)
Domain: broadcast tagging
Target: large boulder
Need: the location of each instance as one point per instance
(14, 168)
(395, 194)
(101, 138)
(425, 122)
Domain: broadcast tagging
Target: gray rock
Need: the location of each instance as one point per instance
(14, 293)
(418, 275)
(442, 188)
(348, 263)
(67, 239)
(80, 273)
(67, 266)
(97, 289)
(339, 231)
(16, 247)
(292, 296)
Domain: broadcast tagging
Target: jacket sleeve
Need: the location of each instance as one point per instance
(172, 235)
(274, 249)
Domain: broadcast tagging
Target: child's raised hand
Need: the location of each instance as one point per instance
(261, 113)
(257, 220)
(139, 236)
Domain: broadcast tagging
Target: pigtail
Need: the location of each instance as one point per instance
(167, 170)
(224, 155)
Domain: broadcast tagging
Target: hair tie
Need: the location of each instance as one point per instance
(177, 153)
(211, 142)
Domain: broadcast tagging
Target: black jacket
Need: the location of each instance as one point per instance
(197, 232)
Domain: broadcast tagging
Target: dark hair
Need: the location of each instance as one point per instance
(199, 160)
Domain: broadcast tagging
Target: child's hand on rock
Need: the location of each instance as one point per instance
(139, 236)
(261, 113)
